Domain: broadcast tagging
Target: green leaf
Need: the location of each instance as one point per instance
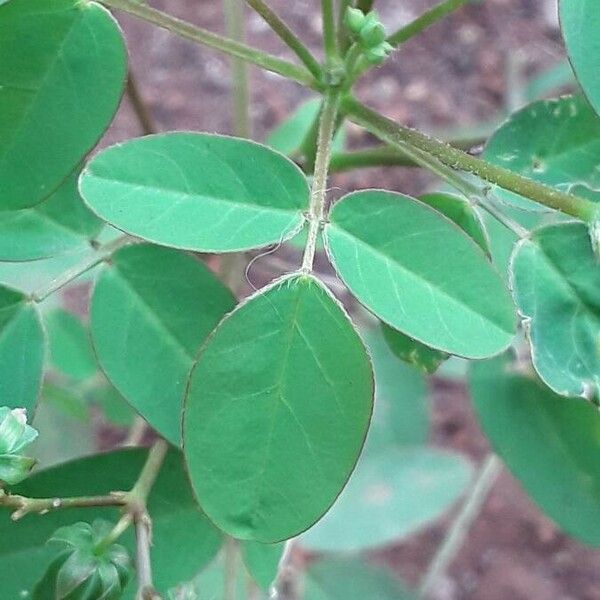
(288, 136)
(352, 579)
(419, 355)
(390, 496)
(551, 444)
(580, 24)
(60, 224)
(419, 272)
(22, 348)
(278, 407)
(460, 212)
(555, 142)
(184, 539)
(200, 192)
(70, 347)
(401, 415)
(556, 284)
(61, 80)
(262, 561)
(151, 310)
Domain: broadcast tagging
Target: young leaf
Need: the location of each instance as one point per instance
(580, 24)
(287, 137)
(556, 285)
(184, 540)
(551, 444)
(22, 346)
(70, 347)
(151, 310)
(200, 192)
(60, 224)
(415, 353)
(460, 212)
(262, 561)
(556, 142)
(352, 579)
(278, 407)
(390, 496)
(419, 272)
(61, 78)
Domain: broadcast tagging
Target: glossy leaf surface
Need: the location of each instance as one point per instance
(151, 310)
(60, 224)
(200, 192)
(580, 24)
(61, 79)
(184, 539)
(556, 142)
(419, 272)
(278, 407)
(22, 345)
(556, 283)
(550, 443)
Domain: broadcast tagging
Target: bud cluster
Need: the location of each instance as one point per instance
(15, 434)
(370, 34)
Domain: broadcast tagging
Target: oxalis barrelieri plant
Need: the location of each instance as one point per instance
(261, 408)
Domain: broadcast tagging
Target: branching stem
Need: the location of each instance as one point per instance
(330, 41)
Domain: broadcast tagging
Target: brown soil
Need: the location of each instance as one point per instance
(455, 74)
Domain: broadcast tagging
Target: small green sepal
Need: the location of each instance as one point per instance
(354, 19)
(15, 435)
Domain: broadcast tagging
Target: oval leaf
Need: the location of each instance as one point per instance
(580, 24)
(60, 224)
(551, 444)
(200, 192)
(61, 79)
(556, 285)
(151, 310)
(418, 272)
(556, 142)
(21, 351)
(184, 540)
(262, 561)
(277, 409)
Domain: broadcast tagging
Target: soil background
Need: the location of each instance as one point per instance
(458, 73)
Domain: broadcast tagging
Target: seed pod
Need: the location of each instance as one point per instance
(85, 570)
(15, 434)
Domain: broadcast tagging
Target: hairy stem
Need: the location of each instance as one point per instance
(234, 24)
(102, 254)
(403, 137)
(143, 536)
(319, 186)
(287, 36)
(329, 34)
(139, 106)
(215, 41)
(460, 527)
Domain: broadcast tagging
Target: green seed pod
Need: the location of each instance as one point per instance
(372, 35)
(354, 19)
(85, 570)
(15, 434)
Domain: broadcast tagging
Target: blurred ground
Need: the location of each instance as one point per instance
(455, 74)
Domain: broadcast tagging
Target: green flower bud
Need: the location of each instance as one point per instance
(86, 570)
(378, 54)
(15, 434)
(354, 19)
(372, 35)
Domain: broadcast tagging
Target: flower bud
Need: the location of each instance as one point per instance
(372, 35)
(378, 54)
(86, 569)
(15, 434)
(354, 19)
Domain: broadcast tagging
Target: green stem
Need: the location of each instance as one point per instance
(230, 569)
(403, 137)
(118, 530)
(102, 254)
(234, 24)
(319, 185)
(426, 20)
(140, 491)
(490, 207)
(344, 40)
(329, 33)
(287, 36)
(143, 536)
(217, 42)
(139, 106)
(460, 527)
(373, 157)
